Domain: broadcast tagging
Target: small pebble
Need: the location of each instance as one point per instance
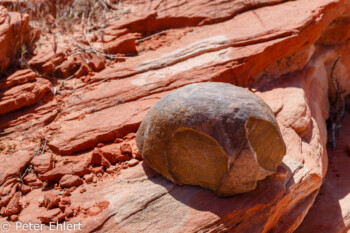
(118, 140)
(83, 190)
(14, 218)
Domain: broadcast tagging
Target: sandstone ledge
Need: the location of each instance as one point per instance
(279, 58)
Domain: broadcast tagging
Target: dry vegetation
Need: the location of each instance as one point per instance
(69, 24)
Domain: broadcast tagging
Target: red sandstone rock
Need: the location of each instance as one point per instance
(42, 163)
(129, 136)
(331, 210)
(70, 180)
(88, 178)
(9, 169)
(25, 203)
(124, 46)
(14, 218)
(68, 211)
(29, 118)
(97, 170)
(337, 32)
(17, 78)
(123, 157)
(86, 63)
(135, 150)
(25, 189)
(65, 201)
(56, 173)
(67, 68)
(67, 192)
(118, 140)
(133, 162)
(23, 95)
(15, 31)
(79, 168)
(188, 61)
(36, 184)
(104, 162)
(47, 61)
(7, 193)
(110, 124)
(125, 148)
(124, 165)
(94, 61)
(110, 152)
(253, 48)
(12, 207)
(51, 200)
(53, 215)
(111, 169)
(97, 158)
(306, 167)
(82, 167)
(31, 177)
(3, 14)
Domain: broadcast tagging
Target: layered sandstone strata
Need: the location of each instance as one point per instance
(283, 51)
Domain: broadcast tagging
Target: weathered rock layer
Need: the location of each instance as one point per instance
(81, 129)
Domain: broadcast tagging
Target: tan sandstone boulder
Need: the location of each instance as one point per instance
(214, 135)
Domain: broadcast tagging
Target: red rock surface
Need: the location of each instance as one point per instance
(3, 14)
(42, 163)
(331, 210)
(15, 32)
(54, 215)
(61, 102)
(68, 181)
(51, 200)
(12, 207)
(18, 78)
(23, 95)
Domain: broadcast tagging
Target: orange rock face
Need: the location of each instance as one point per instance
(3, 14)
(331, 210)
(15, 32)
(72, 100)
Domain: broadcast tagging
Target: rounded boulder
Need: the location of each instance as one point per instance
(214, 135)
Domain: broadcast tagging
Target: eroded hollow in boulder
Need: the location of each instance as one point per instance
(214, 135)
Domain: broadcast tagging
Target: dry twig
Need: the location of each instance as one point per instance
(337, 102)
